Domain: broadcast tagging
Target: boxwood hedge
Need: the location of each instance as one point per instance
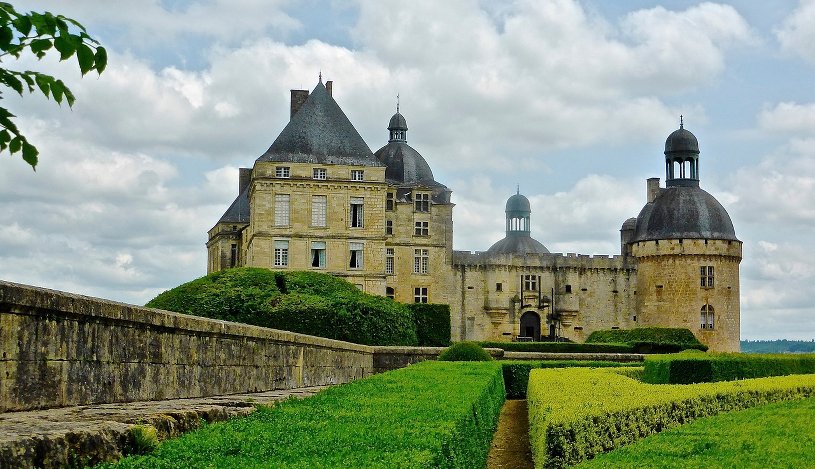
(516, 373)
(307, 302)
(687, 368)
(432, 324)
(428, 415)
(559, 347)
(597, 410)
(650, 339)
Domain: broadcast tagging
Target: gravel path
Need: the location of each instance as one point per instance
(510, 446)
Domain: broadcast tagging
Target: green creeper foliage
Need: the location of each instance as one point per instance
(516, 373)
(465, 351)
(598, 410)
(429, 415)
(432, 324)
(650, 339)
(559, 347)
(684, 368)
(40, 34)
(306, 302)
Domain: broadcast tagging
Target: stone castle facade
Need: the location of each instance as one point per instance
(319, 199)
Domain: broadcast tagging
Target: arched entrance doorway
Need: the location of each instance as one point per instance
(531, 325)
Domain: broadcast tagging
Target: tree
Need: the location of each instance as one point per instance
(39, 34)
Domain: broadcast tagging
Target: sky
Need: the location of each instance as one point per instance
(569, 100)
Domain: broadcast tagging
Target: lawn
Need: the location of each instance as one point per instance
(774, 435)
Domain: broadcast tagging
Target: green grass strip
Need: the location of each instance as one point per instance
(774, 435)
(577, 413)
(428, 415)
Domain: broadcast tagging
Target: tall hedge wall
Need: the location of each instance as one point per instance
(307, 302)
(689, 368)
(432, 324)
(650, 339)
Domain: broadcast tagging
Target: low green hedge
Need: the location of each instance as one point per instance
(432, 324)
(650, 339)
(428, 415)
(687, 368)
(516, 373)
(559, 347)
(465, 351)
(577, 413)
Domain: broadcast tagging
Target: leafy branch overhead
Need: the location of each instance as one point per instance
(40, 34)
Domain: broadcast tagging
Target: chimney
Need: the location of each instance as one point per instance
(653, 189)
(298, 97)
(244, 178)
(328, 87)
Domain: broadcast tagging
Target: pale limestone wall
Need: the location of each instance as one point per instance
(219, 247)
(590, 293)
(59, 349)
(337, 234)
(669, 291)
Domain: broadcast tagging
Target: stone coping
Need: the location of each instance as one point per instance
(613, 357)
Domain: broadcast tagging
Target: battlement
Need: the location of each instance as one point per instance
(551, 260)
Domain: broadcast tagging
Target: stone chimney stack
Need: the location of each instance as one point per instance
(244, 178)
(329, 85)
(653, 189)
(298, 97)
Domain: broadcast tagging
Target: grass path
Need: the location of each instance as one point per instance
(510, 445)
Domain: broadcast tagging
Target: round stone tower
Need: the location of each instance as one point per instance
(687, 253)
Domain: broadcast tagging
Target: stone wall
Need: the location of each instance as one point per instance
(59, 349)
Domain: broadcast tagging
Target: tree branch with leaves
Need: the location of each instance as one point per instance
(40, 34)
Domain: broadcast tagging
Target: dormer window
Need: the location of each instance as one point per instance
(357, 175)
(282, 171)
(422, 202)
(319, 173)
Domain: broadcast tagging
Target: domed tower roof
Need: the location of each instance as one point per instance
(683, 210)
(403, 164)
(397, 122)
(518, 239)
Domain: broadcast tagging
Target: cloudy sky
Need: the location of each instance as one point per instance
(572, 100)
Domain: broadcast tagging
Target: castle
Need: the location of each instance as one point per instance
(320, 199)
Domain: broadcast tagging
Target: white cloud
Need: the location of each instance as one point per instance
(788, 117)
(797, 32)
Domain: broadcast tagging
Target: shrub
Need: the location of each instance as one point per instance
(428, 415)
(598, 410)
(432, 324)
(516, 373)
(650, 339)
(559, 347)
(144, 439)
(465, 351)
(687, 368)
(306, 302)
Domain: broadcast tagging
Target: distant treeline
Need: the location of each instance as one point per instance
(778, 346)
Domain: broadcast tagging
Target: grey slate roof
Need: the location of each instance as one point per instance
(397, 122)
(681, 140)
(320, 133)
(518, 243)
(404, 165)
(518, 203)
(684, 212)
(238, 212)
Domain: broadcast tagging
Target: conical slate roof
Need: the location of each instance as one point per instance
(320, 133)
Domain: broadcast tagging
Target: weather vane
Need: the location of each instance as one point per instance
(397, 103)
(681, 122)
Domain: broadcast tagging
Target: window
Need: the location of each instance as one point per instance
(706, 318)
(422, 202)
(318, 254)
(356, 212)
(281, 210)
(355, 261)
(388, 227)
(282, 171)
(422, 228)
(233, 256)
(357, 175)
(499, 287)
(390, 201)
(420, 259)
(319, 173)
(706, 276)
(318, 210)
(530, 283)
(568, 288)
(420, 295)
(389, 260)
(389, 292)
(281, 253)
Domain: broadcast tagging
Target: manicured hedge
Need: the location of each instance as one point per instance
(516, 373)
(687, 368)
(559, 347)
(465, 351)
(307, 302)
(650, 339)
(576, 413)
(432, 324)
(428, 415)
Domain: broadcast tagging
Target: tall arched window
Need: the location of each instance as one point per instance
(707, 319)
